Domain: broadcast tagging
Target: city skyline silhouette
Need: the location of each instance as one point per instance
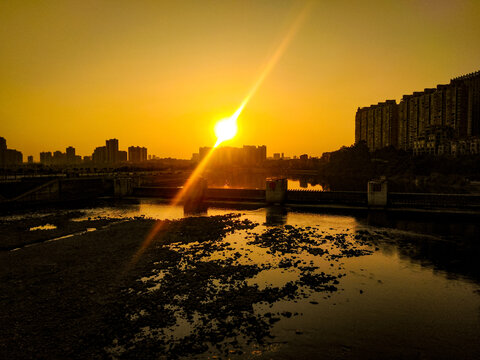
(163, 76)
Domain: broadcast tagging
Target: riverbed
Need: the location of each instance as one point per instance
(146, 280)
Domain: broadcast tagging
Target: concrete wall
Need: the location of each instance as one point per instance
(153, 191)
(15, 188)
(355, 198)
(254, 195)
(49, 191)
(123, 187)
(429, 201)
(66, 190)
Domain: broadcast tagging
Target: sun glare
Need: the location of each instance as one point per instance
(226, 129)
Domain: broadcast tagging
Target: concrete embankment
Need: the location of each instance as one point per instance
(45, 191)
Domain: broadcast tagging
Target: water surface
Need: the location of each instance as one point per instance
(412, 291)
(416, 295)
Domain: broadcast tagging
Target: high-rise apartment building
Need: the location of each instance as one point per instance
(70, 156)
(112, 151)
(377, 125)
(46, 158)
(431, 121)
(470, 84)
(99, 155)
(137, 154)
(9, 157)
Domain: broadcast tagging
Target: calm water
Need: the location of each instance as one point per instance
(303, 185)
(416, 296)
(246, 180)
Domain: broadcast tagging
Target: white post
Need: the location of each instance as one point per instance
(276, 190)
(377, 193)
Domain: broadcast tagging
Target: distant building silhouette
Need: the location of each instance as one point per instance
(195, 157)
(108, 154)
(30, 159)
(253, 155)
(46, 158)
(9, 157)
(70, 155)
(246, 156)
(99, 155)
(121, 156)
(3, 150)
(59, 158)
(112, 151)
(137, 154)
(441, 120)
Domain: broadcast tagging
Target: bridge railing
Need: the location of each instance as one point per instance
(236, 194)
(347, 198)
(422, 200)
(211, 193)
(153, 191)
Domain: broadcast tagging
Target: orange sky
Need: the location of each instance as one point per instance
(161, 73)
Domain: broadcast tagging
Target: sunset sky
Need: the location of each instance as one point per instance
(161, 73)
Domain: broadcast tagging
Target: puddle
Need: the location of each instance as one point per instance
(43, 227)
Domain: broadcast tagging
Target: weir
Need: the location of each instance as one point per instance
(376, 197)
(348, 200)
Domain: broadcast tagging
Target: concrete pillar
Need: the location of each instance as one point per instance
(194, 198)
(122, 187)
(276, 190)
(377, 193)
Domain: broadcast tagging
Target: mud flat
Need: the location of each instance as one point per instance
(202, 287)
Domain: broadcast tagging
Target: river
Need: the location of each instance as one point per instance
(414, 293)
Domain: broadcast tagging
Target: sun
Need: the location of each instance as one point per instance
(226, 129)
